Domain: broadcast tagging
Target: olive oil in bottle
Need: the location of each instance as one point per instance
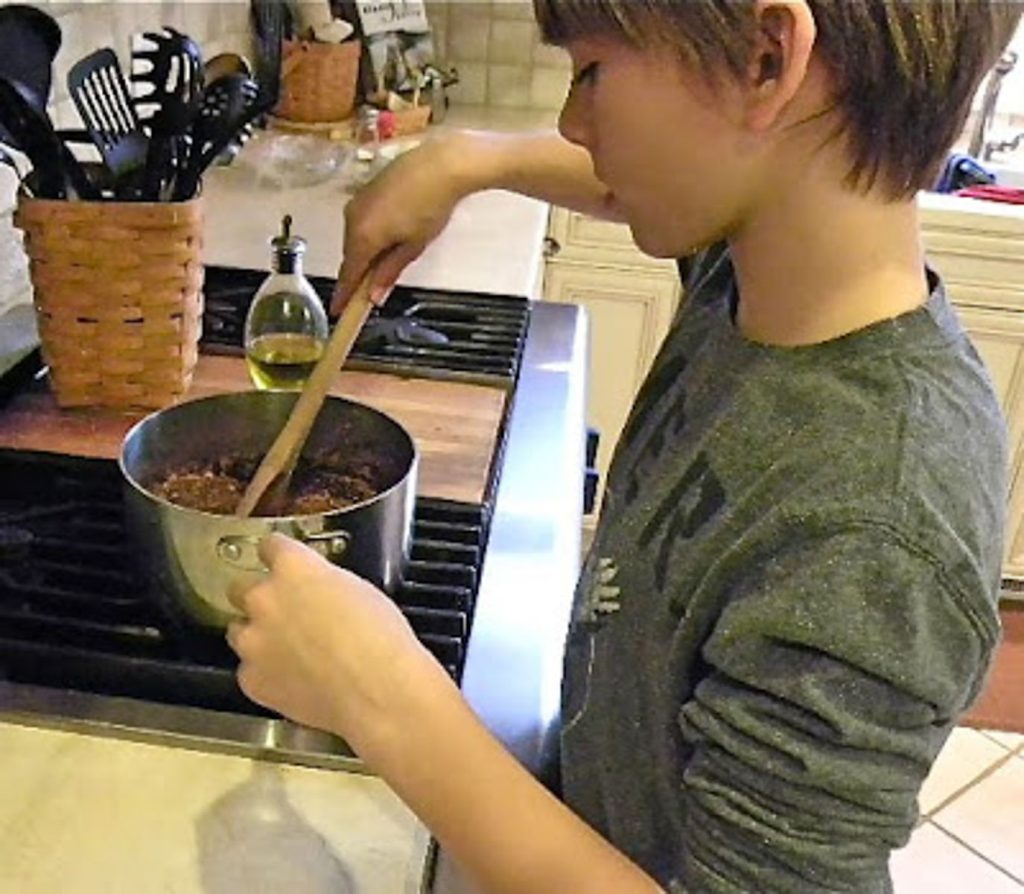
(283, 361)
(286, 327)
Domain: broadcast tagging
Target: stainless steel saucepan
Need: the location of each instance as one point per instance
(189, 557)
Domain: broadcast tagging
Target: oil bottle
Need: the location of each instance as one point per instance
(286, 328)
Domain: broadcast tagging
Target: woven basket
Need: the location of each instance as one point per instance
(118, 298)
(318, 80)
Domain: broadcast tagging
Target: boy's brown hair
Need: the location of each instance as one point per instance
(905, 71)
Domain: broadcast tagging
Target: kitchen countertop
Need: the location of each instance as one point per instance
(92, 815)
(489, 245)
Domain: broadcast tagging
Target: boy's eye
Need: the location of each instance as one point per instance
(585, 74)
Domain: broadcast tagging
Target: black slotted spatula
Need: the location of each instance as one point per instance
(97, 86)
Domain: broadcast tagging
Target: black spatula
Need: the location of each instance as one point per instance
(97, 86)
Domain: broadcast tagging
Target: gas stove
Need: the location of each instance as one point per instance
(487, 591)
(430, 334)
(75, 617)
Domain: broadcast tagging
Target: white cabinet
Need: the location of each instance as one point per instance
(999, 337)
(630, 300)
(980, 253)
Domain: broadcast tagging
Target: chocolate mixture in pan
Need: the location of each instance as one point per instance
(321, 484)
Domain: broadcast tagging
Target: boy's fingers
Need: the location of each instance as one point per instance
(275, 546)
(349, 277)
(387, 267)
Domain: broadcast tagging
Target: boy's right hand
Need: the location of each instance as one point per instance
(392, 219)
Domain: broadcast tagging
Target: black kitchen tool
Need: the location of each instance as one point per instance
(169, 66)
(272, 22)
(97, 86)
(30, 131)
(227, 107)
(220, 65)
(29, 41)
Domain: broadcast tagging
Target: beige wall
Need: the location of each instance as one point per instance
(499, 57)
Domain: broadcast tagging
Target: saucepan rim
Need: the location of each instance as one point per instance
(132, 435)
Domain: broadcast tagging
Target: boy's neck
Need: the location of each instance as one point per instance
(819, 261)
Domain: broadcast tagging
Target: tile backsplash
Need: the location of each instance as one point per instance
(495, 47)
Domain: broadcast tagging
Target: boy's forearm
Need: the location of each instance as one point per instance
(540, 164)
(504, 829)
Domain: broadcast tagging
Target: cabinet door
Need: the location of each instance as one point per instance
(999, 337)
(629, 315)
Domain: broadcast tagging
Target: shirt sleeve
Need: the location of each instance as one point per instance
(832, 679)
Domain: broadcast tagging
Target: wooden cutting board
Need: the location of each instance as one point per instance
(455, 425)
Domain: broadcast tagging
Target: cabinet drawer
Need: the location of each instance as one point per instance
(578, 237)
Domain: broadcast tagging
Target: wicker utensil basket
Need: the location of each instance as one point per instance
(318, 80)
(118, 298)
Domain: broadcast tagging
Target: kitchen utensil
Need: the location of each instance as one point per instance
(29, 41)
(271, 20)
(31, 132)
(226, 107)
(270, 483)
(216, 68)
(36, 129)
(169, 65)
(190, 556)
(98, 89)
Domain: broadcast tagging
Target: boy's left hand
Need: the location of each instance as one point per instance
(319, 644)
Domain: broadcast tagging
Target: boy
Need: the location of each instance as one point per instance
(791, 596)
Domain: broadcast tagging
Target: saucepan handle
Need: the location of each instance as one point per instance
(241, 550)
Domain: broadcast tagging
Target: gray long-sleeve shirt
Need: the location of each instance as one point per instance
(790, 599)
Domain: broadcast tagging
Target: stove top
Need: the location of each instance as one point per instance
(75, 614)
(76, 621)
(490, 590)
(450, 335)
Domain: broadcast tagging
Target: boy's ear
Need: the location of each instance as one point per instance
(784, 40)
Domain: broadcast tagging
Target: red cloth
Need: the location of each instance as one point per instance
(994, 193)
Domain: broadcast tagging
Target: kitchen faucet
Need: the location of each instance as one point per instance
(980, 146)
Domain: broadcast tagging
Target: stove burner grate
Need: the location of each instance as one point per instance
(450, 335)
(74, 615)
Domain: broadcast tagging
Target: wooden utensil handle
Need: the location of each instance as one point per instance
(285, 450)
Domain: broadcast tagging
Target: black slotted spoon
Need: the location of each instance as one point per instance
(170, 68)
(227, 106)
(97, 86)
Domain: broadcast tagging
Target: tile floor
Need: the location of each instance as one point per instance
(971, 835)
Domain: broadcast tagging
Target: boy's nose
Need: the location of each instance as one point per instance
(571, 122)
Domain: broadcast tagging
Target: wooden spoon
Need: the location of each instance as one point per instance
(269, 486)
